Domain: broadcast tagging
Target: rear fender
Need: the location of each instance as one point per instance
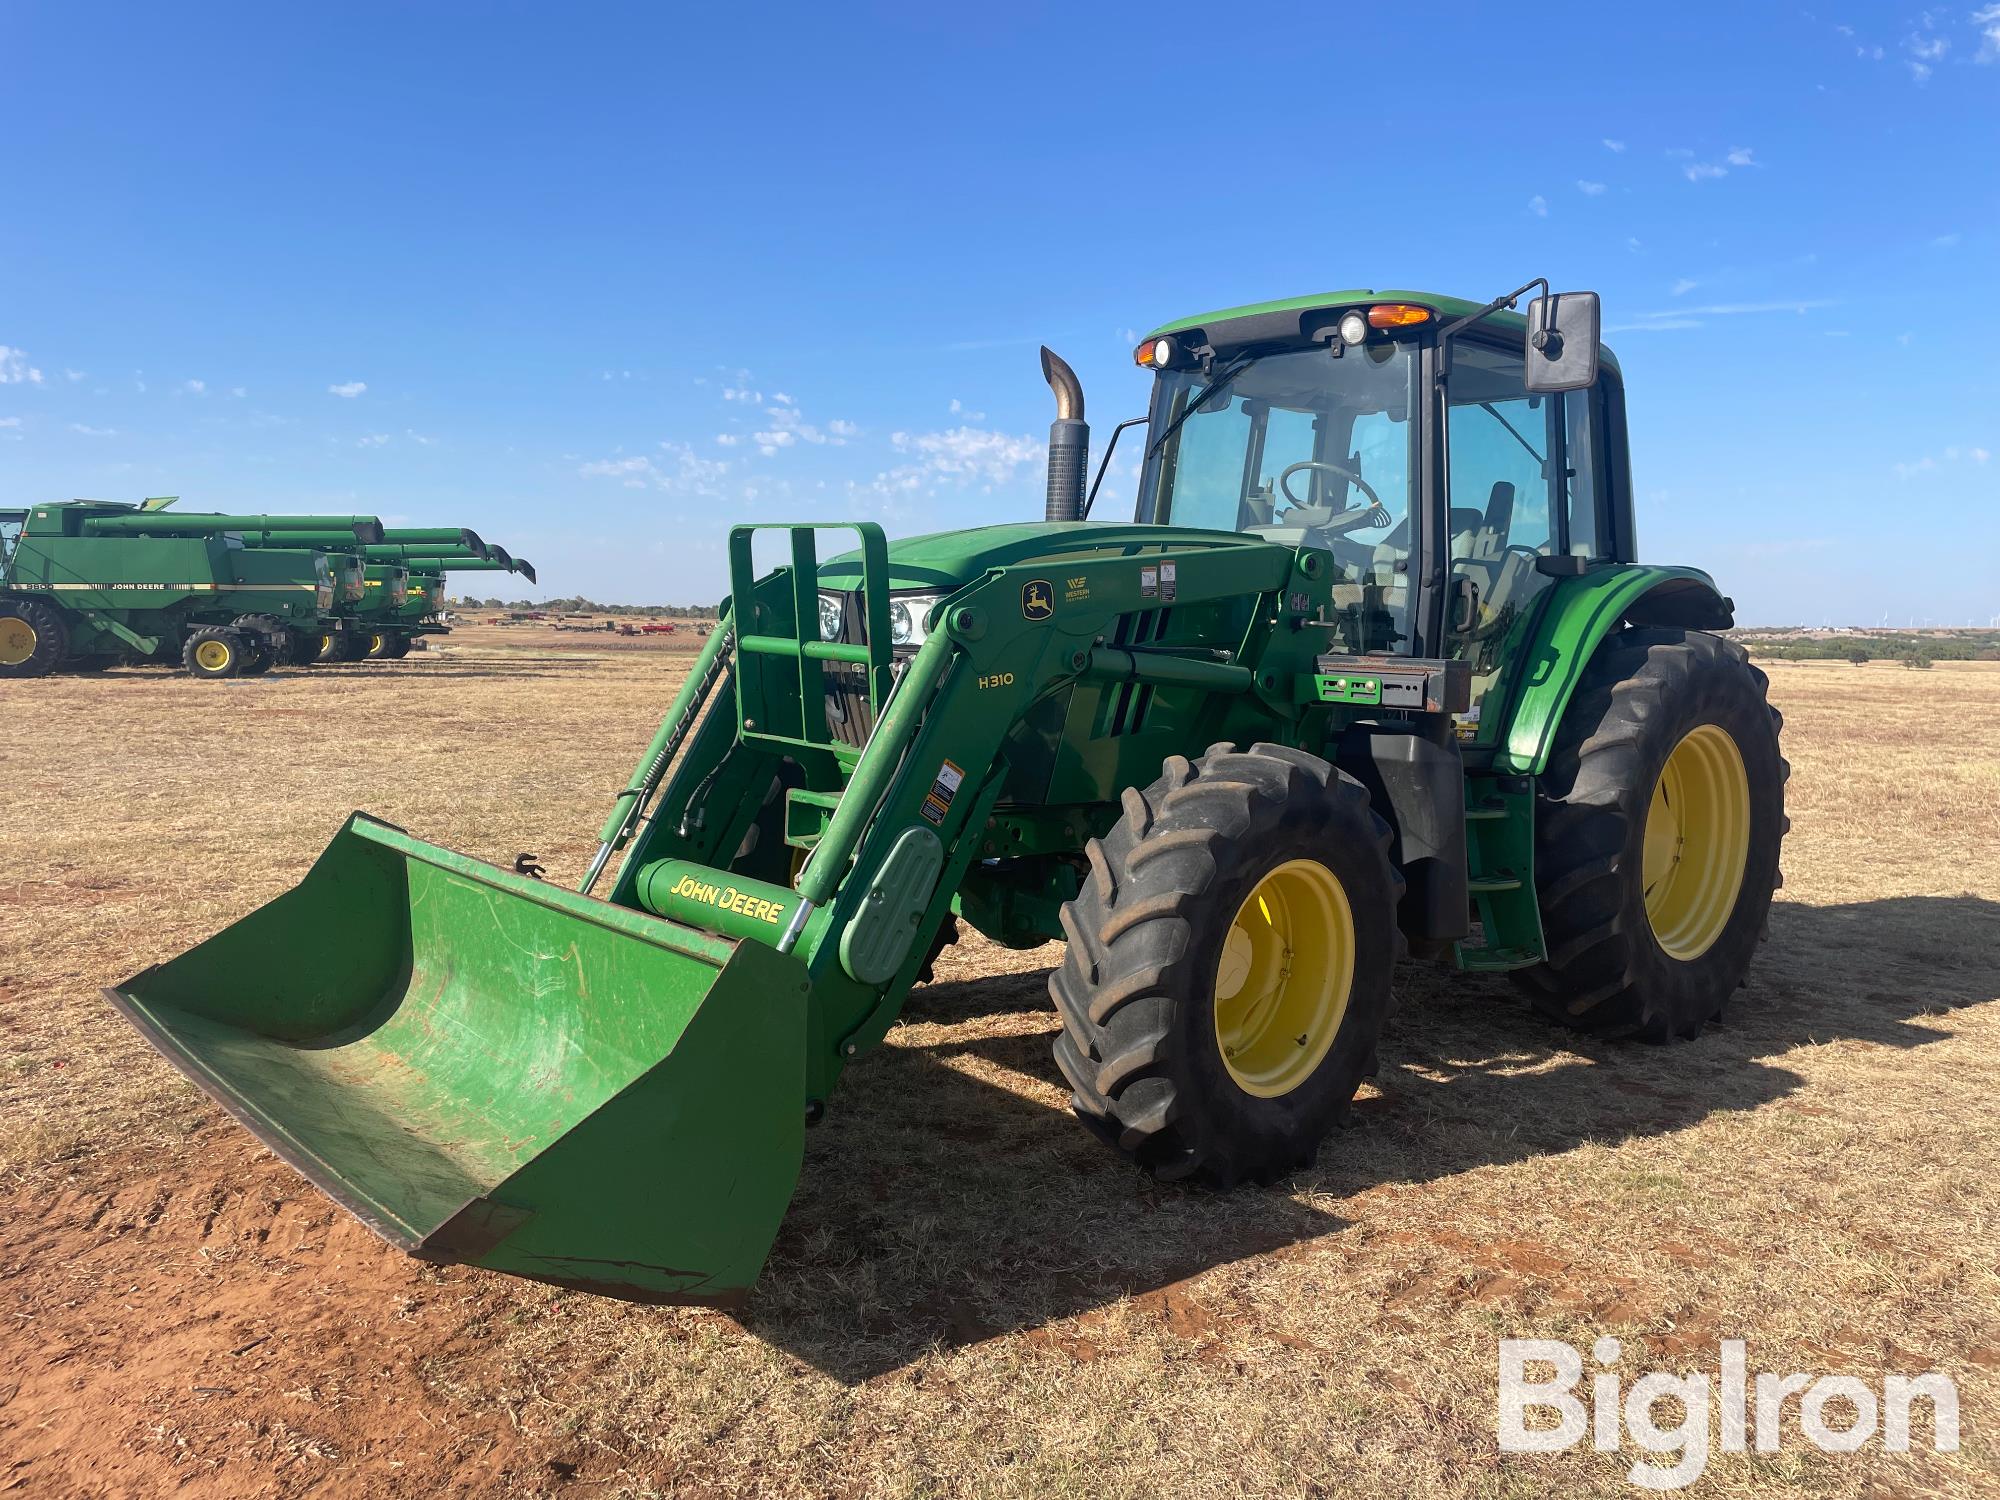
(1579, 614)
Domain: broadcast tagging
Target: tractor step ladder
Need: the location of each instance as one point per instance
(1500, 867)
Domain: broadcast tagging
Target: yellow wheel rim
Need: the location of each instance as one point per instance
(17, 641)
(375, 645)
(1697, 842)
(1282, 984)
(212, 656)
(326, 645)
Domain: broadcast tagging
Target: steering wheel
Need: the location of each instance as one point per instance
(1372, 514)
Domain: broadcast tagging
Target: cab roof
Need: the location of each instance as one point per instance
(1447, 308)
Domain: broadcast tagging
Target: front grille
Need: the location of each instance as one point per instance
(849, 718)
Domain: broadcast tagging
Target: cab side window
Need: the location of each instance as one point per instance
(1587, 534)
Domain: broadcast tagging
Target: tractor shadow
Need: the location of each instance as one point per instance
(946, 1200)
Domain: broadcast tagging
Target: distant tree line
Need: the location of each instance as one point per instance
(576, 604)
(1911, 648)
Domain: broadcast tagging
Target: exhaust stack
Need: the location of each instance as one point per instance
(1069, 440)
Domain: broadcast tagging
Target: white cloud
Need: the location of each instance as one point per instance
(419, 438)
(1683, 286)
(842, 430)
(1919, 72)
(15, 369)
(728, 439)
(1945, 241)
(195, 387)
(782, 399)
(1611, 145)
(89, 431)
(1739, 156)
(741, 393)
(680, 471)
(1538, 206)
(239, 391)
(349, 389)
(372, 440)
(1930, 49)
(73, 376)
(1703, 171)
(964, 454)
(1987, 19)
(958, 409)
(770, 442)
(1632, 243)
(1589, 189)
(10, 421)
(1977, 455)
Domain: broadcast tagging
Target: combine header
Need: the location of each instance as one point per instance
(1373, 669)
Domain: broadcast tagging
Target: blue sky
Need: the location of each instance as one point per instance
(602, 280)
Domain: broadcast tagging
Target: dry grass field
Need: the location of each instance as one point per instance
(970, 1296)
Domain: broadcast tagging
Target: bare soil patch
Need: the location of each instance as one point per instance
(970, 1296)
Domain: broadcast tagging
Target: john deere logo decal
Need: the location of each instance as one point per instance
(1038, 600)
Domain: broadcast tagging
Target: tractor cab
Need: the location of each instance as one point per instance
(1419, 440)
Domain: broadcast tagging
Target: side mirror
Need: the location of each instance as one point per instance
(1562, 341)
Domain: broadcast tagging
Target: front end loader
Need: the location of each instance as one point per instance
(1372, 672)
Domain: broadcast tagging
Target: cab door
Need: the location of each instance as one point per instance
(1524, 485)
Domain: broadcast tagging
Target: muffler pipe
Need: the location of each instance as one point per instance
(1069, 440)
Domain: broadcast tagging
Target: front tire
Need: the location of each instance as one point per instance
(1228, 967)
(34, 638)
(215, 653)
(1657, 836)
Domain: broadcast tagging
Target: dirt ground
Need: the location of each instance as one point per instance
(971, 1296)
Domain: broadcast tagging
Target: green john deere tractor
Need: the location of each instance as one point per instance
(1372, 670)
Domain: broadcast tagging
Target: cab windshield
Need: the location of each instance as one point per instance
(1305, 449)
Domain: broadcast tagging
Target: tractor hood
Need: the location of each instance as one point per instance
(949, 559)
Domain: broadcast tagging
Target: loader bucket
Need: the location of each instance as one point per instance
(491, 1070)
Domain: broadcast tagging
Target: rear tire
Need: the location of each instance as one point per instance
(399, 647)
(215, 652)
(1650, 942)
(34, 638)
(349, 646)
(378, 645)
(1160, 964)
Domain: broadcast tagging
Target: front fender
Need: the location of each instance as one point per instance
(1578, 614)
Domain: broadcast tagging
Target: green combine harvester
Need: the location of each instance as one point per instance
(402, 592)
(424, 594)
(86, 584)
(1373, 669)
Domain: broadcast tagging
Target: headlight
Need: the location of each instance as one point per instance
(906, 618)
(830, 612)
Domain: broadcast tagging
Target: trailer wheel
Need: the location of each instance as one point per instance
(34, 638)
(349, 646)
(377, 643)
(214, 652)
(1228, 966)
(1657, 835)
(399, 647)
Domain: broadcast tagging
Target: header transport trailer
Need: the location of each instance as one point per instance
(1371, 669)
(87, 584)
